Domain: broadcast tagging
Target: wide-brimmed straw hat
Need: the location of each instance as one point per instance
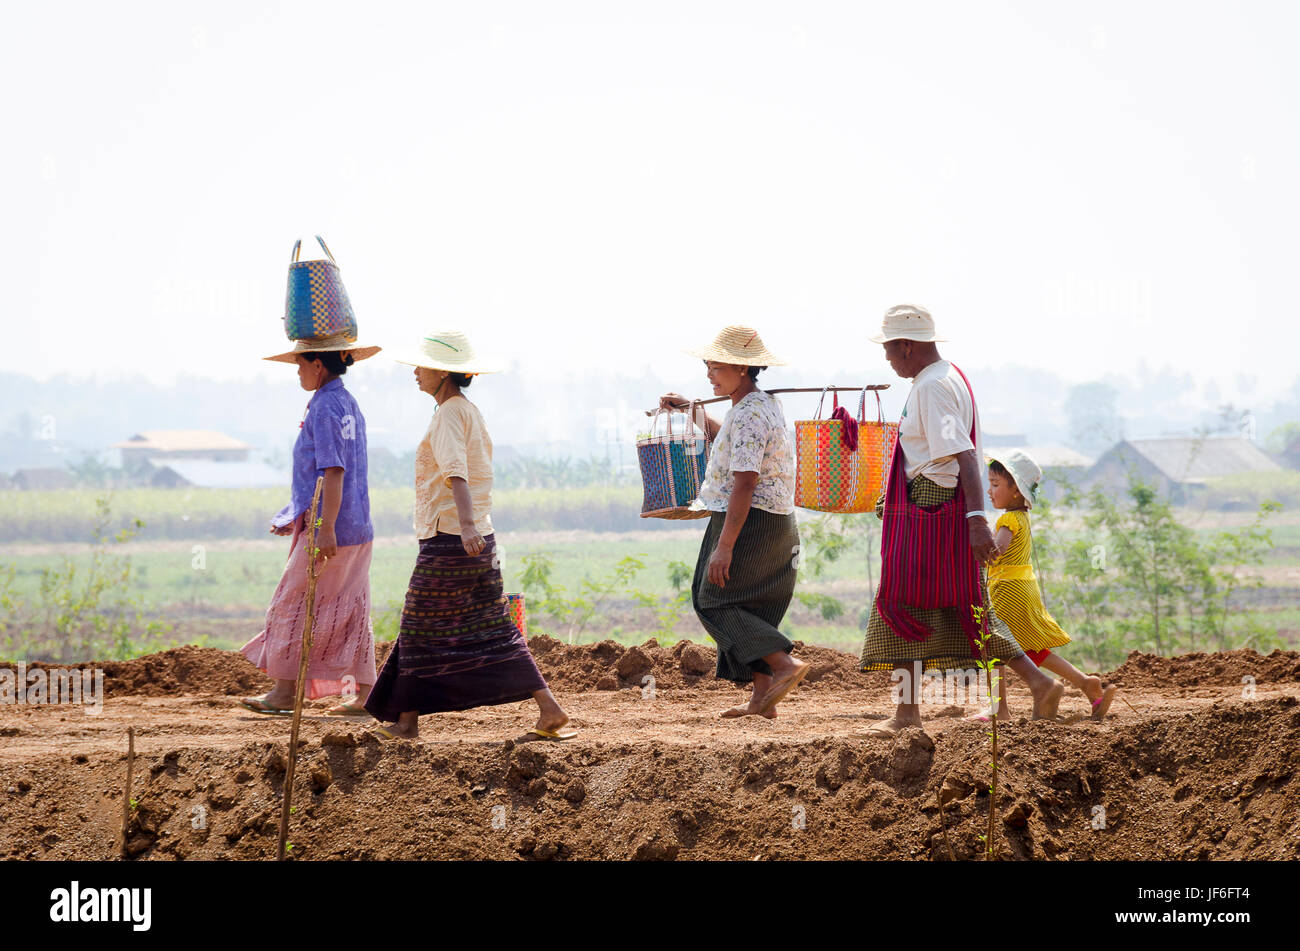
(1025, 473)
(907, 322)
(739, 346)
(359, 351)
(446, 350)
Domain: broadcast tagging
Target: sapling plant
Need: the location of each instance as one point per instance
(986, 664)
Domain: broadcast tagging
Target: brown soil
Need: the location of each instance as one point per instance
(1196, 768)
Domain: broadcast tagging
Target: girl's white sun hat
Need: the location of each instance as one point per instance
(1025, 473)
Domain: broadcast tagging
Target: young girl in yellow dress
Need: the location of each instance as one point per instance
(1013, 588)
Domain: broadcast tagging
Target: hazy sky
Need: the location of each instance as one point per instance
(583, 184)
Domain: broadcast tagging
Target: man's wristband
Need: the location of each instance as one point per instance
(973, 514)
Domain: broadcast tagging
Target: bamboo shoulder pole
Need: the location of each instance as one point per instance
(796, 389)
(312, 575)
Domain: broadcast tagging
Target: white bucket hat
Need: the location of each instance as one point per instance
(907, 322)
(446, 350)
(1025, 473)
(738, 346)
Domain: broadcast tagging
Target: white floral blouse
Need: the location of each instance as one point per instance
(753, 438)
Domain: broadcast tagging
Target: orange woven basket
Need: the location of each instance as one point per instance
(830, 477)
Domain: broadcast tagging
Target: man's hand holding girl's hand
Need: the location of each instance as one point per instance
(981, 540)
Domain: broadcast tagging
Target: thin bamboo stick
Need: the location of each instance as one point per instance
(126, 794)
(312, 574)
(796, 389)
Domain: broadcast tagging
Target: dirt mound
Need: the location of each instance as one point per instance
(613, 666)
(609, 665)
(572, 668)
(1225, 669)
(180, 670)
(1222, 782)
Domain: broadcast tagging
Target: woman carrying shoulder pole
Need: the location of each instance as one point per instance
(745, 574)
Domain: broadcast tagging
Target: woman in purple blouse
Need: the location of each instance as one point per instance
(331, 443)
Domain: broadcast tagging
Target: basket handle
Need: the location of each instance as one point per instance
(689, 412)
(862, 407)
(654, 418)
(297, 247)
(822, 399)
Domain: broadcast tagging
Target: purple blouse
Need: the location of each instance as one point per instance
(333, 434)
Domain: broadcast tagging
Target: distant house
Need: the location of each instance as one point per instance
(1179, 466)
(206, 474)
(1290, 456)
(168, 444)
(50, 478)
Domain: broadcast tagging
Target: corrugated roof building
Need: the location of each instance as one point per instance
(183, 444)
(1178, 466)
(206, 474)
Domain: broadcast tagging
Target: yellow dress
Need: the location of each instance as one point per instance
(1013, 589)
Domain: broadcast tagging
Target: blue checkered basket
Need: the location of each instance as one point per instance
(672, 469)
(316, 303)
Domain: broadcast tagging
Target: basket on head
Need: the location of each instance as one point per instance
(316, 303)
(672, 469)
(831, 477)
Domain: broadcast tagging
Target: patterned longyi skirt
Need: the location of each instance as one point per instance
(457, 647)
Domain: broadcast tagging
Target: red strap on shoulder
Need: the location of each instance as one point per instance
(974, 417)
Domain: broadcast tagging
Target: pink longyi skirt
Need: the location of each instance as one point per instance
(343, 641)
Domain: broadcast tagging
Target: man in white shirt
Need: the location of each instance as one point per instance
(940, 455)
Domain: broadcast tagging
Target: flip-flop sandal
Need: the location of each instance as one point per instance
(878, 730)
(385, 734)
(346, 710)
(780, 690)
(259, 705)
(1101, 705)
(553, 735)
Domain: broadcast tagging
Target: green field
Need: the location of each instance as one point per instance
(215, 582)
(206, 515)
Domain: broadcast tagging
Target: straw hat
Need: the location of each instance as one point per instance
(1025, 473)
(446, 350)
(739, 346)
(907, 322)
(359, 351)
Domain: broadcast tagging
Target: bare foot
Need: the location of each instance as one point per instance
(751, 709)
(1092, 688)
(894, 725)
(783, 684)
(1047, 702)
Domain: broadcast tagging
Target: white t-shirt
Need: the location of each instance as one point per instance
(936, 425)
